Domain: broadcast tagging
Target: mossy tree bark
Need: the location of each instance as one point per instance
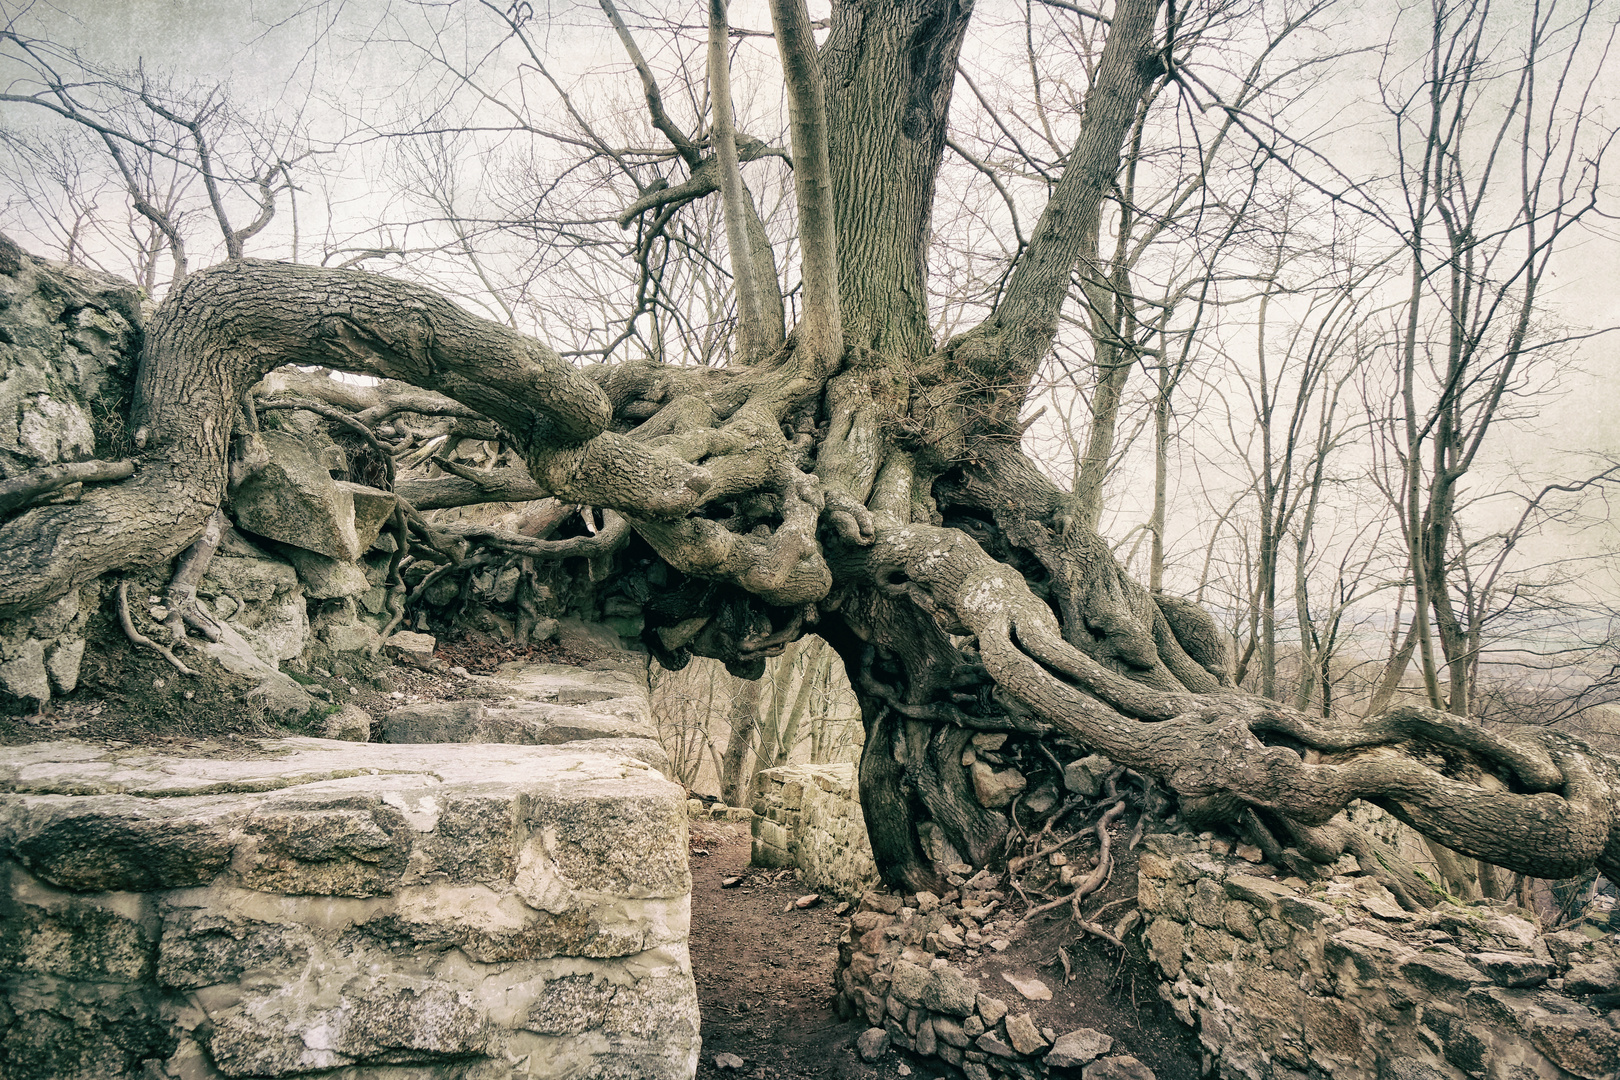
(863, 483)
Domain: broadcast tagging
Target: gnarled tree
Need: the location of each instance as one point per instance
(860, 481)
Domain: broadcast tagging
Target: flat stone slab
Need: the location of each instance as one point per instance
(492, 909)
(528, 723)
(611, 689)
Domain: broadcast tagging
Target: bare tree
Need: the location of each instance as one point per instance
(163, 139)
(864, 482)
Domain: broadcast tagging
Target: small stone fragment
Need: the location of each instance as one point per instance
(809, 900)
(727, 1061)
(1032, 988)
(730, 882)
(1022, 1034)
(872, 1044)
(992, 1009)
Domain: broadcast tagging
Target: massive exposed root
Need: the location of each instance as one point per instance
(784, 504)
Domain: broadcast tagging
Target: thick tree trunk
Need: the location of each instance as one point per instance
(864, 486)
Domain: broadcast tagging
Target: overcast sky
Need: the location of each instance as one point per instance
(258, 45)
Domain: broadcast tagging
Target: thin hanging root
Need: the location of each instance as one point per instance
(137, 638)
(1093, 881)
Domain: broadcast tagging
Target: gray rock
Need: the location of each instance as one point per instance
(1079, 1047)
(950, 992)
(1512, 969)
(23, 674)
(992, 1009)
(350, 723)
(872, 1044)
(328, 579)
(728, 1061)
(1599, 977)
(289, 497)
(589, 641)
(908, 982)
(62, 663)
(412, 648)
(372, 509)
(949, 1031)
(991, 1044)
(1085, 776)
(320, 882)
(1119, 1067)
(995, 788)
(1022, 1034)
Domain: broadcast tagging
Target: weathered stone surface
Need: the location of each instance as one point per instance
(372, 509)
(950, 992)
(809, 817)
(909, 982)
(290, 497)
(411, 648)
(1119, 1067)
(1086, 775)
(1512, 969)
(350, 724)
(492, 910)
(995, 788)
(1600, 977)
(326, 578)
(1022, 1034)
(1078, 1048)
(1030, 987)
(260, 598)
(1338, 982)
(872, 1044)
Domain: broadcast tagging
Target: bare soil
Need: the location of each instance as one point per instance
(764, 972)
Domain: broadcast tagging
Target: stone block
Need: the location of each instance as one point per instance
(356, 908)
(290, 498)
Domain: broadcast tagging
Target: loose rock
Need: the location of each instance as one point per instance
(872, 1044)
(1032, 989)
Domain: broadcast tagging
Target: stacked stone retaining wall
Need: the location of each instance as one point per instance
(809, 817)
(348, 910)
(1286, 980)
(1282, 979)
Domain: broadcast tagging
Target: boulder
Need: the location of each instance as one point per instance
(328, 579)
(372, 509)
(291, 498)
(350, 723)
(411, 648)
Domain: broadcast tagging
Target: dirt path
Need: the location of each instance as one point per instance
(764, 976)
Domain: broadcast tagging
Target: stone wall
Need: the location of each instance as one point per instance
(345, 910)
(1286, 980)
(809, 817)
